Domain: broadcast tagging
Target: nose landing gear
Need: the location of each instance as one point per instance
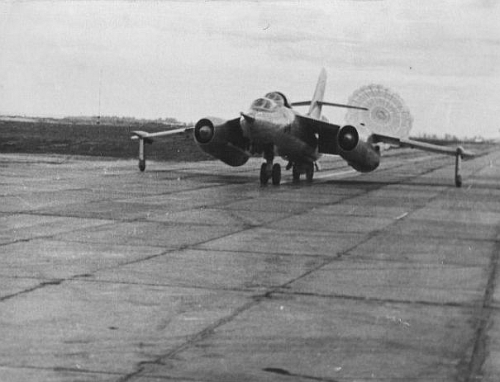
(268, 170)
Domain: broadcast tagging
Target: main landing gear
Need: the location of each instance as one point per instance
(303, 168)
(272, 171)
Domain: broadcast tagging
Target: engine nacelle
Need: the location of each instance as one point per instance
(359, 153)
(222, 139)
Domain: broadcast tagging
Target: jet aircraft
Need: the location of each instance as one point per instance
(273, 127)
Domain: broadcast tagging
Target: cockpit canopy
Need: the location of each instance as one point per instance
(279, 98)
(270, 102)
(263, 104)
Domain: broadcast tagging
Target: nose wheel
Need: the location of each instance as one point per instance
(269, 171)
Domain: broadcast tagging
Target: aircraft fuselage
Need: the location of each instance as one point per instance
(271, 126)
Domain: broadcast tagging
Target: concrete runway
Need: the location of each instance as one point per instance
(193, 272)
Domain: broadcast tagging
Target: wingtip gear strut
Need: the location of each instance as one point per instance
(458, 162)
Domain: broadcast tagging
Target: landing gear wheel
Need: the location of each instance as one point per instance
(264, 174)
(295, 174)
(458, 163)
(276, 174)
(309, 172)
(142, 165)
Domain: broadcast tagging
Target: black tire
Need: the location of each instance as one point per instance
(310, 172)
(142, 165)
(276, 174)
(295, 174)
(264, 175)
(458, 180)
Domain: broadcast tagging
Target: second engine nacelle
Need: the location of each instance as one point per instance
(222, 139)
(359, 153)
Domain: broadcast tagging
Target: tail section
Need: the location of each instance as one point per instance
(319, 92)
(316, 104)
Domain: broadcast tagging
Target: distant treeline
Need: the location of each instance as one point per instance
(111, 138)
(88, 120)
(105, 140)
(115, 120)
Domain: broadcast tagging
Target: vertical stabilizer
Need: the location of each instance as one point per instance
(319, 92)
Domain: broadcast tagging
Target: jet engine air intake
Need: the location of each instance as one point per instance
(359, 154)
(348, 138)
(223, 140)
(204, 131)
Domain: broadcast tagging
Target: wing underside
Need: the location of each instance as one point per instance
(404, 142)
(325, 131)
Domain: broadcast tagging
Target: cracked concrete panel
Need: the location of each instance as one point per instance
(352, 208)
(214, 216)
(234, 293)
(202, 197)
(408, 192)
(24, 227)
(265, 240)
(472, 217)
(323, 339)
(271, 205)
(13, 285)
(430, 228)
(322, 195)
(473, 200)
(491, 368)
(332, 223)
(105, 327)
(214, 270)
(108, 209)
(39, 374)
(397, 281)
(431, 250)
(150, 234)
(47, 259)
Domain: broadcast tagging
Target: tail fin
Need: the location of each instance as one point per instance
(316, 104)
(319, 92)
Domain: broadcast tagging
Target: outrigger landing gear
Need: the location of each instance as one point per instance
(142, 152)
(458, 161)
(268, 170)
(142, 155)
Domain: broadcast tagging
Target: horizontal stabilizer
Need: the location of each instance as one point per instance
(302, 103)
(403, 142)
(305, 103)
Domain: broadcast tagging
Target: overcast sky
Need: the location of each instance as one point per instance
(190, 59)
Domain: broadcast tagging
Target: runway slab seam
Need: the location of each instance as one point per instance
(269, 293)
(473, 368)
(187, 310)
